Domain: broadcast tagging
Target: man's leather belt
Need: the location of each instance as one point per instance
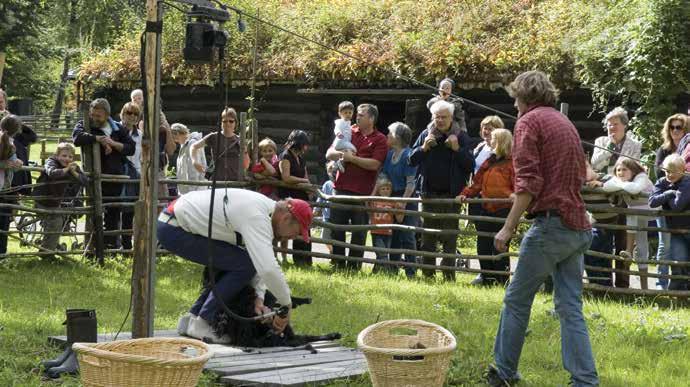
(545, 213)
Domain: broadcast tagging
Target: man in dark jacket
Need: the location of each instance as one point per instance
(22, 141)
(115, 144)
(444, 163)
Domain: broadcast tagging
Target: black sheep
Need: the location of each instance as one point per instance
(256, 333)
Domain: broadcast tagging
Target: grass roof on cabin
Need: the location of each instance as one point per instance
(479, 42)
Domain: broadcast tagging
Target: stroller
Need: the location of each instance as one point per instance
(29, 224)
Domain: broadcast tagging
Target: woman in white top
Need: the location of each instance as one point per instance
(634, 186)
(185, 164)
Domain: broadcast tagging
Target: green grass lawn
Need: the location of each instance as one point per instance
(636, 342)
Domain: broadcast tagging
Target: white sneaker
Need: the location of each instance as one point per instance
(183, 323)
(202, 330)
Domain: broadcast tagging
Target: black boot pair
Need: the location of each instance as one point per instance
(81, 328)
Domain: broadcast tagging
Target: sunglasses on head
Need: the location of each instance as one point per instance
(676, 127)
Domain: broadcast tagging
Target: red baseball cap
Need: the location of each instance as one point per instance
(302, 212)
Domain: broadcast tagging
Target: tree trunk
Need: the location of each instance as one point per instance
(60, 97)
(2, 65)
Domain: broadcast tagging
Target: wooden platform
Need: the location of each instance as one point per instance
(278, 366)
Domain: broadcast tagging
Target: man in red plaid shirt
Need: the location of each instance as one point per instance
(549, 172)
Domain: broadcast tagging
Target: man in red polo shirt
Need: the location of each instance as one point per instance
(549, 172)
(359, 177)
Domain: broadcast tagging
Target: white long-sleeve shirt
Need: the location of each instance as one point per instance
(640, 185)
(247, 213)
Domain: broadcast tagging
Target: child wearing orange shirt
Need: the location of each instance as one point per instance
(383, 237)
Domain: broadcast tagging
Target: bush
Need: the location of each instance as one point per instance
(635, 51)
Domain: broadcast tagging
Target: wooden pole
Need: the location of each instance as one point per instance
(87, 163)
(253, 125)
(2, 64)
(146, 209)
(243, 123)
(97, 203)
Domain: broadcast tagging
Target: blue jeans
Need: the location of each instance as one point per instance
(680, 251)
(549, 248)
(234, 261)
(383, 241)
(662, 252)
(406, 240)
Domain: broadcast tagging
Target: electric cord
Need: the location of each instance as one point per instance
(214, 182)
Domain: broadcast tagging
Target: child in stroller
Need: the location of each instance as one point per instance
(64, 181)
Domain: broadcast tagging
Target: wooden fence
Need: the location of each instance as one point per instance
(87, 236)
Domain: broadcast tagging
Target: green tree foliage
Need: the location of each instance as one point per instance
(20, 41)
(636, 52)
(38, 34)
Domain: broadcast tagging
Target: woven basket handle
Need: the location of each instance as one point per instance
(403, 331)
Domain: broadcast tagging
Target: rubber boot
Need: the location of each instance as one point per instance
(70, 367)
(58, 360)
(81, 328)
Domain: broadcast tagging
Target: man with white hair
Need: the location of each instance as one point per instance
(137, 97)
(444, 164)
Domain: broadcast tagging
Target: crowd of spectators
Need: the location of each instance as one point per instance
(442, 162)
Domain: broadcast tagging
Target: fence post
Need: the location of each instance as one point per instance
(88, 163)
(146, 209)
(97, 200)
(243, 128)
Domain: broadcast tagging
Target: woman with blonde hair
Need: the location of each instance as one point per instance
(674, 129)
(495, 179)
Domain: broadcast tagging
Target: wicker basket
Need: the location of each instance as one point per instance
(142, 362)
(407, 353)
